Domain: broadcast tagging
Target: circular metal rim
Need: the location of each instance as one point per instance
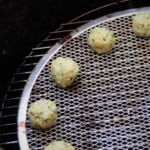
(21, 118)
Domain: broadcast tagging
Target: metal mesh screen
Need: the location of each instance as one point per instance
(108, 106)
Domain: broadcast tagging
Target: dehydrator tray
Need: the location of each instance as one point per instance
(108, 106)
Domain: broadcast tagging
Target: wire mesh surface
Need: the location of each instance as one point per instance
(108, 106)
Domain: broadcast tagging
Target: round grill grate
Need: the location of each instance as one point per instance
(108, 106)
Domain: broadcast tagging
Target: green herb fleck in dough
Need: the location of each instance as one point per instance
(41, 113)
(104, 39)
(93, 40)
(46, 120)
(49, 107)
(71, 78)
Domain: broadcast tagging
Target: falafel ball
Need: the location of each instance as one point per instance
(42, 114)
(101, 39)
(141, 24)
(64, 71)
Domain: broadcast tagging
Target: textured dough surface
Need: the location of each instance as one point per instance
(43, 114)
(64, 71)
(59, 145)
(141, 24)
(101, 39)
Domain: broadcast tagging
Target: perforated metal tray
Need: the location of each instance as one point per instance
(108, 106)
